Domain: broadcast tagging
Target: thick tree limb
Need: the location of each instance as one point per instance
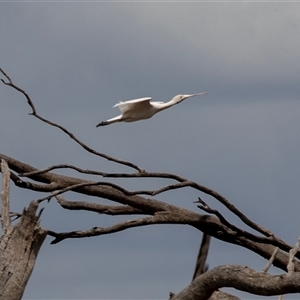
(19, 247)
(99, 208)
(241, 278)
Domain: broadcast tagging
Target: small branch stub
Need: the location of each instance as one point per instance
(292, 253)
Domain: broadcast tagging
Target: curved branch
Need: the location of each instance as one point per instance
(159, 218)
(80, 185)
(99, 208)
(62, 166)
(70, 134)
(241, 278)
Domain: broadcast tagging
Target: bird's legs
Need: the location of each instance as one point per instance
(103, 123)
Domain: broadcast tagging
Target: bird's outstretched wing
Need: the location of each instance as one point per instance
(136, 104)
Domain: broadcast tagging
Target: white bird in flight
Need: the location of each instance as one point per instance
(142, 108)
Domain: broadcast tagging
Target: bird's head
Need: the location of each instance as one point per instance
(179, 98)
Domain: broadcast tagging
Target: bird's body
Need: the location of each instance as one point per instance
(142, 108)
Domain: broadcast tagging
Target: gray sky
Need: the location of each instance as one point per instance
(76, 60)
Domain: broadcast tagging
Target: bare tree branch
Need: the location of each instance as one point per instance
(99, 208)
(63, 166)
(207, 224)
(19, 247)
(70, 134)
(241, 278)
(83, 184)
(183, 183)
(292, 253)
(214, 194)
(160, 218)
(201, 266)
(270, 261)
(272, 240)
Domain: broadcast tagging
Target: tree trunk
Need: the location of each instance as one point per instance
(19, 246)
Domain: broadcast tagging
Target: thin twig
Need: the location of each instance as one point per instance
(292, 253)
(187, 183)
(204, 206)
(267, 240)
(270, 261)
(70, 134)
(62, 166)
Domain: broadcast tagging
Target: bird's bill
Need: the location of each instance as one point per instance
(192, 95)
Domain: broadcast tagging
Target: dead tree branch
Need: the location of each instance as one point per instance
(292, 253)
(270, 261)
(241, 278)
(159, 218)
(206, 224)
(10, 83)
(182, 183)
(98, 208)
(201, 266)
(19, 247)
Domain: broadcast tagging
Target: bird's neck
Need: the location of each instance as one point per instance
(168, 104)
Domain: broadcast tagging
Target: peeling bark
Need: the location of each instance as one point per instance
(19, 246)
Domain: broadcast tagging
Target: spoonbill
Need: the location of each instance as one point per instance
(142, 108)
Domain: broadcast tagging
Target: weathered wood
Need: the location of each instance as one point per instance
(19, 247)
(5, 220)
(241, 278)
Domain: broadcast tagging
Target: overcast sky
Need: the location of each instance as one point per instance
(76, 60)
